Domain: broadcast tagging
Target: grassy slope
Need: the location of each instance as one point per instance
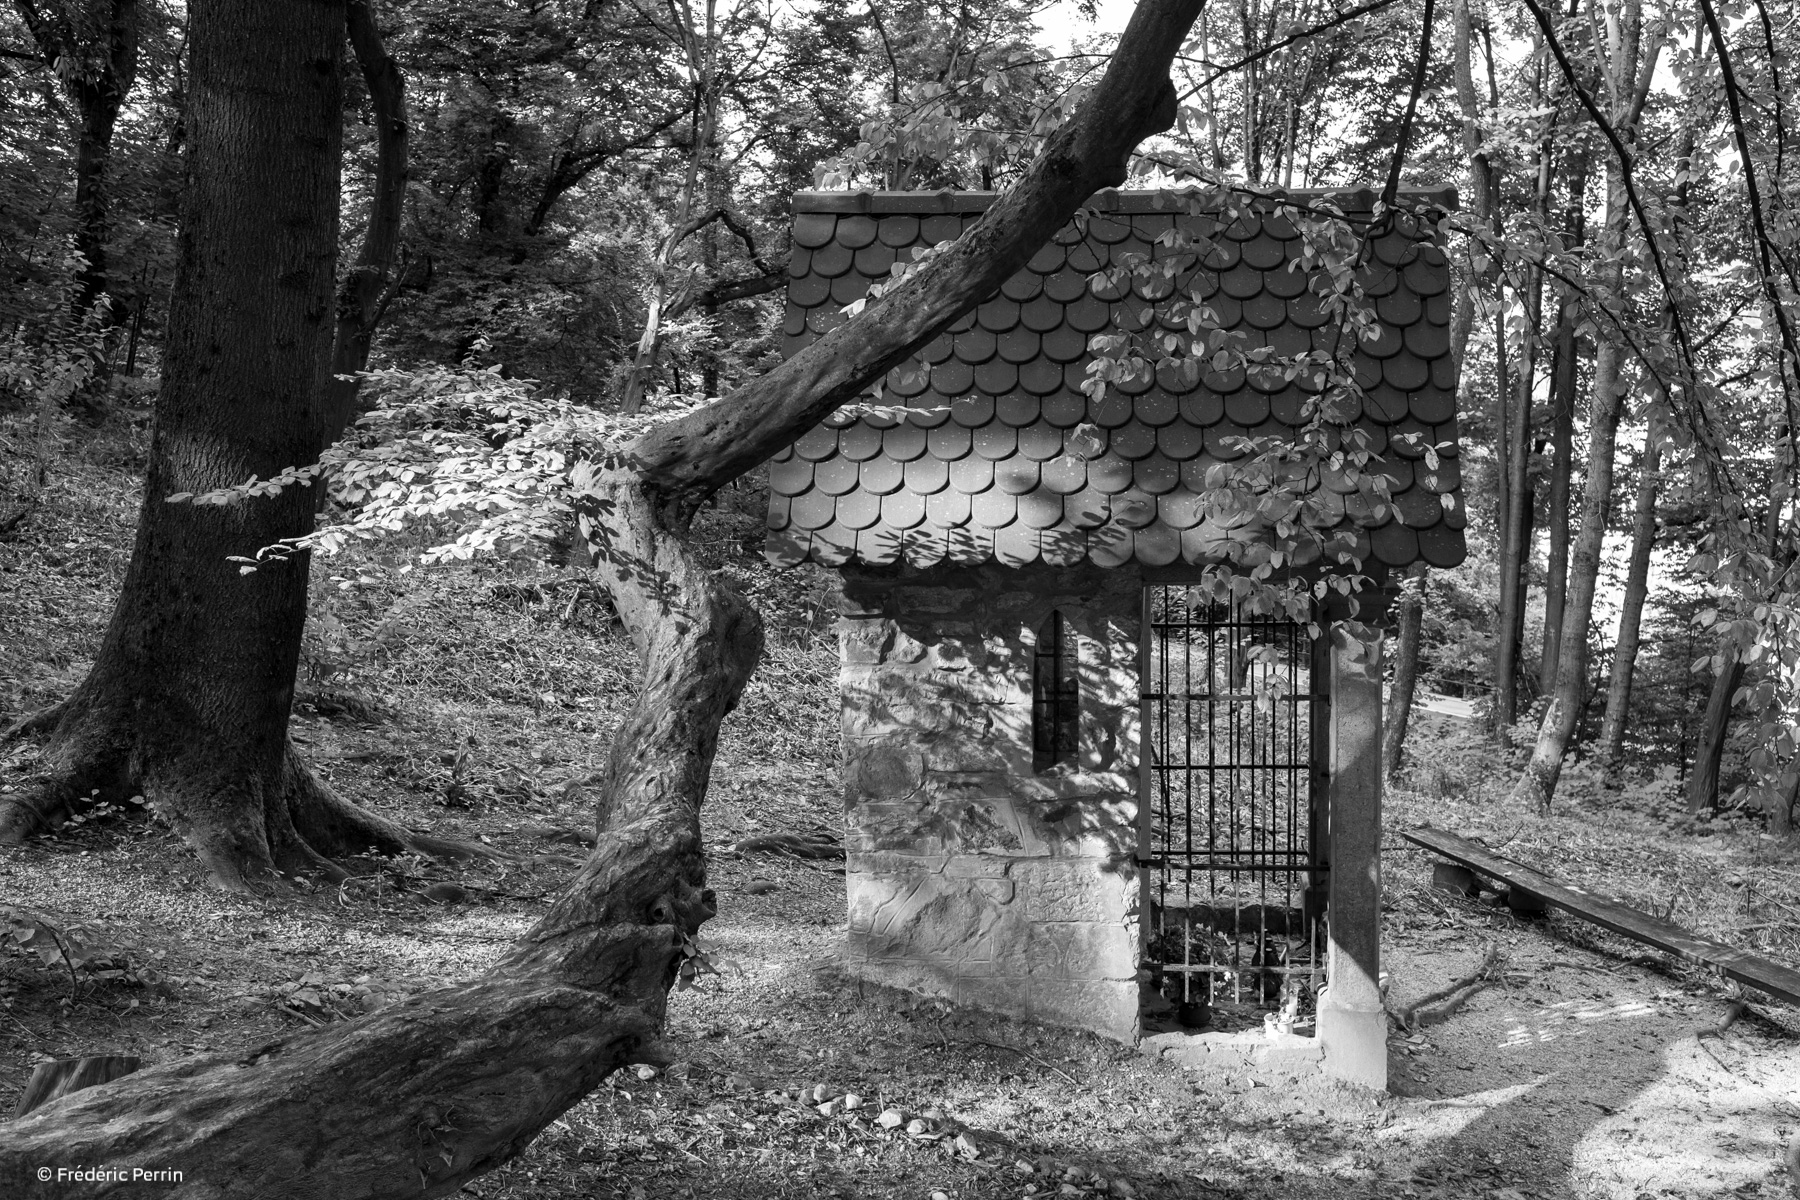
(522, 670)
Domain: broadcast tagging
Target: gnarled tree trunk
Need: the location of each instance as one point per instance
(417, 1099)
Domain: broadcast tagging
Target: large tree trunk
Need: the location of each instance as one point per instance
(188, 698)
(417, 1099)
(1406, 670)
(1631, 612)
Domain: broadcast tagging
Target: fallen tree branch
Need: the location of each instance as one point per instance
(1409, 1017)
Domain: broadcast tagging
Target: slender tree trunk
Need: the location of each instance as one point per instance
(364, 293)
(1515, 540)
(419, 1098)
(1630, 80)
(1709, 753)
(1631, 612)
(1485, 184)
(702, 54)
(1563, 376)
(1411, 619)
(97, 79)
(189, 695)
(1556, 516)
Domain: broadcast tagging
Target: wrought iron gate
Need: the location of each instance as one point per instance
(1232, 814)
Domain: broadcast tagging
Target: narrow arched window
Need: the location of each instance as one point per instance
(1055, 695)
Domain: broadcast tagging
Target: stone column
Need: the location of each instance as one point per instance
(1352, 1022)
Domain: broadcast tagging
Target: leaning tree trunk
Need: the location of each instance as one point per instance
(188, 699)
(1406, 671)
(1631, 608)
(1709, 753)
(419, 1098)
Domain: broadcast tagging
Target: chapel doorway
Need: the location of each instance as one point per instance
(1232, 817)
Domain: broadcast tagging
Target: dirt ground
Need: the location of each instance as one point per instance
(1578, 1072)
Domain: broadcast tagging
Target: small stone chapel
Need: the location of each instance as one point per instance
(1077, 790)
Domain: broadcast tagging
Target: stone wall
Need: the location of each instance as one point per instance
(970, 876)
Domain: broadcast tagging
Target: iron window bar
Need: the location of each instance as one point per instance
(1231, 824)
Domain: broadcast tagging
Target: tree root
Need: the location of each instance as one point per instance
(301, 827)
(44, 720)
(1732, 1014)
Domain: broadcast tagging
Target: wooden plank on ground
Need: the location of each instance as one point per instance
(1749, 969)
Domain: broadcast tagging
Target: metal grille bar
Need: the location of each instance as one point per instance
(1232, 815)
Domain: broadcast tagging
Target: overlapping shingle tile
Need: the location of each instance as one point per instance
(970, 459)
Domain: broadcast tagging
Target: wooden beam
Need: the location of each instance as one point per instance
(1759, 973)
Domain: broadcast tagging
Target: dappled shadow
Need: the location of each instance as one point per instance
(1559, 1086)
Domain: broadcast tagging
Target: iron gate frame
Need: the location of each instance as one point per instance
(1306, 861)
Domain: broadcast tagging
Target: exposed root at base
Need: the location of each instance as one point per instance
(44, 720)
(302, 829)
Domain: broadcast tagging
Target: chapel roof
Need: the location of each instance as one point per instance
(973, 468)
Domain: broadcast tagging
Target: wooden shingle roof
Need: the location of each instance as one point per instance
(974, 468)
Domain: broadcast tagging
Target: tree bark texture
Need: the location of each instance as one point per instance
(417, 1099)
(1631, 614)
(1703, 778)
(189, 696)
(1411, 619)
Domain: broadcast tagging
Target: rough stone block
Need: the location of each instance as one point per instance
(957, 654)
(1000, 891)
(1073, 889)
(892, 863)
(1103, 1006)
(1082, 950)
(861, 642)
(882, 769)
(929, 919)
(922, 978)
(1252, 1050)
(993, 993)
(955, 753)
(917, 600)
